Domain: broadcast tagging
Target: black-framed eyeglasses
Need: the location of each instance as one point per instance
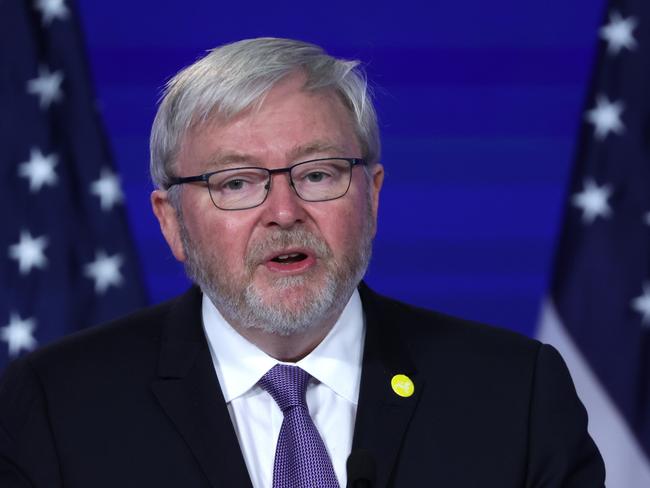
(316, 180)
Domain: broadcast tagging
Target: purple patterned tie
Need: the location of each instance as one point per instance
(301, 459)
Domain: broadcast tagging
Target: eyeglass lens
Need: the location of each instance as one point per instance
(313, 181)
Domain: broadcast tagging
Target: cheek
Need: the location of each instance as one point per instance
(223, 236)
(342, 227)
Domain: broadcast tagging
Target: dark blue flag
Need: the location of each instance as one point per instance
(598, 313)
(66, 257)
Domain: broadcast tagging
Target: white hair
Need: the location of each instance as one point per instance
(234, 77)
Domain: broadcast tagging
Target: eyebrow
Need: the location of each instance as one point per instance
(315, 147)
(221, 158)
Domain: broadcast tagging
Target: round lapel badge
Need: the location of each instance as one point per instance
(402, 385)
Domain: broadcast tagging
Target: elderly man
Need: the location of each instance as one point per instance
(281, 364)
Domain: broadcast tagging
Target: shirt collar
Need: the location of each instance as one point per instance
(335, 362)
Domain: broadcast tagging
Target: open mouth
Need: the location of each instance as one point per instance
(294, 257)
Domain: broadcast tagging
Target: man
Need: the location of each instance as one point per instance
(281, 363)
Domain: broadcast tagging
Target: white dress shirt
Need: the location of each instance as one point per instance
(332, 393)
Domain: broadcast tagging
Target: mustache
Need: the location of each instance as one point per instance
(280, 240)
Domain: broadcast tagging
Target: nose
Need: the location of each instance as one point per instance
(283, 207)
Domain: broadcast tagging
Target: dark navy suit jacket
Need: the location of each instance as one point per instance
(136, 403)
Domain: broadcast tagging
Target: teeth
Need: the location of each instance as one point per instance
(287, 257)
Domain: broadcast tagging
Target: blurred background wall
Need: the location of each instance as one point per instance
(479, 105)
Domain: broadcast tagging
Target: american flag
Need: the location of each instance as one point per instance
(598, 312)
(66, 257)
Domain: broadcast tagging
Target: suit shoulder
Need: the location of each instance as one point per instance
(137, 333)
(423, 329)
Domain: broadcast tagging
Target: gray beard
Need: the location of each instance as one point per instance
(247, 308)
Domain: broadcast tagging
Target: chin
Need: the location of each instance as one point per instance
(293, 304)
(290, 288)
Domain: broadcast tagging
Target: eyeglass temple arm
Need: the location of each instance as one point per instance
(176, 180)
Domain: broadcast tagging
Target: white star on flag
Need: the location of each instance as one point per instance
(107, 188)
(52, 9)
(46, 86)
(39, 169)
(646, 218)
(19, 334)
(606, 117)
(642, 305)
(105, 270)
(618, 33)
(592, 200)
(29, 252)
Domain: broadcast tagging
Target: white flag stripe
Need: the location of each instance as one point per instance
(625, 462)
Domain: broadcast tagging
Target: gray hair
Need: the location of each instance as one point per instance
(234, 77)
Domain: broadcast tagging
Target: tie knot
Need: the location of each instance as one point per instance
(287, 385)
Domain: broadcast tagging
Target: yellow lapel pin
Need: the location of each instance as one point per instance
(402, 385)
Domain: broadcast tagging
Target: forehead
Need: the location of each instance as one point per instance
(289, 124)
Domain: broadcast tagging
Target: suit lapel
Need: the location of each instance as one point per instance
(188, 391)
(382, 415)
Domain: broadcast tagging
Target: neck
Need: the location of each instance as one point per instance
(288, 348)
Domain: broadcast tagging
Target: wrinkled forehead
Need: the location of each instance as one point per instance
(291, 119)
(226, 110)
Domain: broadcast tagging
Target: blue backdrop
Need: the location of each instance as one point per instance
(479, 105)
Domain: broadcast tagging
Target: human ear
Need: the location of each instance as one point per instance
(167, 217)
(375, 181)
